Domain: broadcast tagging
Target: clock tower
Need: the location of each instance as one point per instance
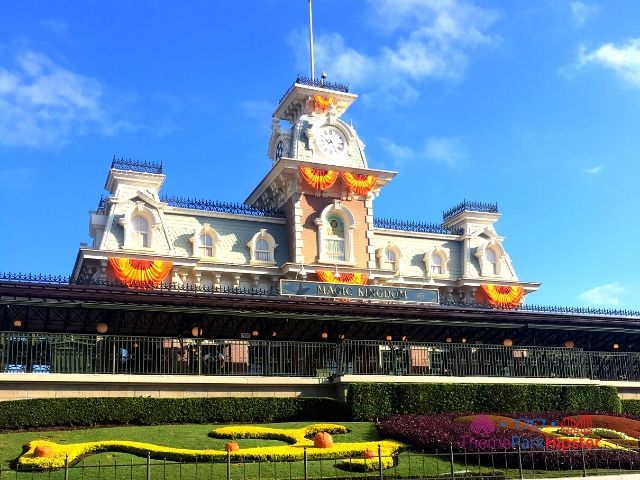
(320, 177)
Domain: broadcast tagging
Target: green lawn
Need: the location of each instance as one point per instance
(120, 465)
(105, 466)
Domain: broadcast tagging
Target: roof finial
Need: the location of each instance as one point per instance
(313, 76)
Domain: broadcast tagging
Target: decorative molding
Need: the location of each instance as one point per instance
(271, 244)
(485, 266)
(197, 244)
(383, 262)
(444, 262)
(350, 224)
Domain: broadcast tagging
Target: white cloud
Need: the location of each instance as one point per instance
(444, 150)
(395, 151)
(604, 295)
(44, 104)
(426, 39)
(624, 60)
(447, 150)
(594, 170)
(582, 12)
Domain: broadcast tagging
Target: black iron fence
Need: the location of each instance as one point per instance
(113, 354)
(518, 463)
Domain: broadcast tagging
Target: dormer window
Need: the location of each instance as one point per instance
(205, 242)
(140, 232)
(138, 225)
(392, 259)
(490, 256)
(206, 245)
(262, 247)
(263, 252)
(389, 257)
(435, 262)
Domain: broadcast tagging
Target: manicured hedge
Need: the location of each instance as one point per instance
(62, 412)
(370, 401)
(632, 407)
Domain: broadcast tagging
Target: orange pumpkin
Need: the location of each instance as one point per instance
(322, 440)
(231, 447)
(368, 453)
(43, 451)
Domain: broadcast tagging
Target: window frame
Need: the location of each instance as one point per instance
(440, 253)
(487, 268)
(344, 214)
(383, 257)
(253, 250)
(198, 246)
(131, 234)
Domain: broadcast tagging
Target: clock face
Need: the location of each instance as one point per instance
(331, 141)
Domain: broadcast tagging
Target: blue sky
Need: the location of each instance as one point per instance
(534, 105)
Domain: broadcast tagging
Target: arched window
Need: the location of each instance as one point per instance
(263, 253)
(262, 248)
(334, 240)
(436, 264)
(205, 242)
(392, 259)
(335, 234)
(206, 245)
(492, 260)
(140, 231)
(139, 225)
(490, 257)
(389, 257)
(436, 261)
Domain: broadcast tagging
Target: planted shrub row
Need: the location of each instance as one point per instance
(364, 402)
(63, 412)
(373, 401)
(631, 407)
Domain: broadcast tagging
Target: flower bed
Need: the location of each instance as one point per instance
(298, 439)
(539, 443)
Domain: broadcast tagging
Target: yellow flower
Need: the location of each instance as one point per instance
(296, 437)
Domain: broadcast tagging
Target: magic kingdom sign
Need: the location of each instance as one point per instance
(301, 288)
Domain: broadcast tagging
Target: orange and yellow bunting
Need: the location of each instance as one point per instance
(501, 296)
(322, 103)
(351, 278)
(360, 184)
(318, 178)
(140, 273)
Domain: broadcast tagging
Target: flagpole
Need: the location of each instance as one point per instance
(313, 73)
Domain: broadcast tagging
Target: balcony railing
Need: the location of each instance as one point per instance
(467, 206)
(47, 353)
(181, 287)
(136, 166)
